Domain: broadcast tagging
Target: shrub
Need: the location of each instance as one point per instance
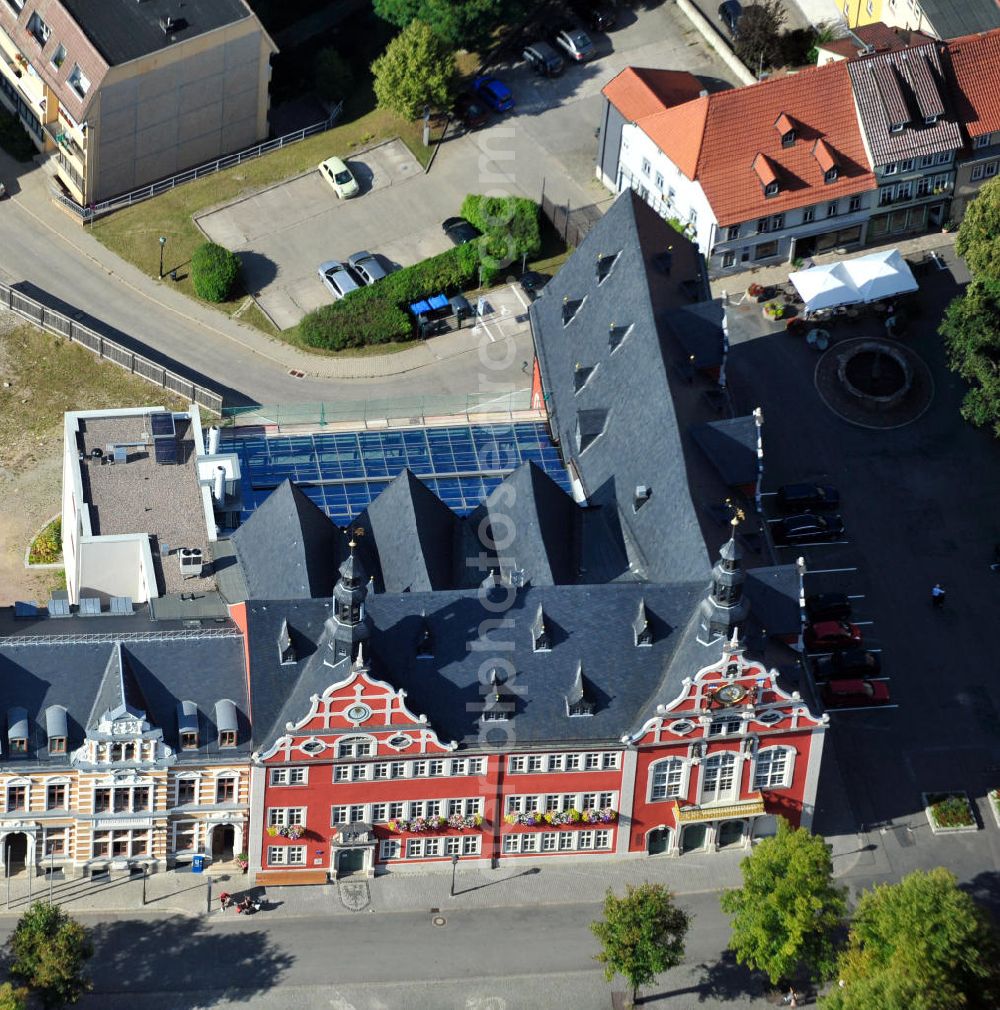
(510, 228)
(378, 314)
(214, 270)
(46, 548)
(952, 812)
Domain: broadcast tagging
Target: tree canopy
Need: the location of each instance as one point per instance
(971, 331)
(921, 944)
(465, 24)
(12, 998)
(786, 914)
(49, 950)
(759, 43)
(978, 239)
(642, 934)
(416, 69)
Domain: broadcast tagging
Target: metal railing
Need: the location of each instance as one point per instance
(95, 210)
(55, 322)
(471, 408)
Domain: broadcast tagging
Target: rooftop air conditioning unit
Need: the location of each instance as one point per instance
(191, 562)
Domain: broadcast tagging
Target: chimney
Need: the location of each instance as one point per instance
(213, 439)
(220, 484)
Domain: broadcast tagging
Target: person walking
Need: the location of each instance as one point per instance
(937, 595)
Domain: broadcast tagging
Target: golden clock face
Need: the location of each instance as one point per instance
(731, 694)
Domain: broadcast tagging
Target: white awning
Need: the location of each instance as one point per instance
(862, 279)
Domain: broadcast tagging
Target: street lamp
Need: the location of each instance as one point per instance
(163, 242)
(454, 867)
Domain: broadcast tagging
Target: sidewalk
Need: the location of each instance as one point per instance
(32, 195)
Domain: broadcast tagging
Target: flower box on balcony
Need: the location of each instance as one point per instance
(562, 818)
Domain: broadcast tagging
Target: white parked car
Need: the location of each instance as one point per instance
(337, 278)
(338, 175)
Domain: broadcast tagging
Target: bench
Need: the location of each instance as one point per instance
(289, 878)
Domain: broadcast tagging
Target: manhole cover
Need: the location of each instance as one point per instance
(438, 920)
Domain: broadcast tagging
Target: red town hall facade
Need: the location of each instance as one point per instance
(361, 783)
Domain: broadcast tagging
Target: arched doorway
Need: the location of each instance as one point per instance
(693, 838)
(730, 833)
(658, 841)
(223, 840)
(15, 853)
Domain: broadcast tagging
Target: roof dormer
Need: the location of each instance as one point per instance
(17, 731)
(767, 174)
(56, 729)
(580, 697)
(286, 647)
(226, 722)
(541, 640)
(641, 629)
(187, 725)
(570, 307)
(785, 126)
(605, 264)
(826, 160)
(581, 373)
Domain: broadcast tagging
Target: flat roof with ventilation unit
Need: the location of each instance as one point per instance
(161, 425)
(90, 606)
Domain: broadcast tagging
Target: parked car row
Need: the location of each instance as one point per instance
(361, 269)
(846, 674)
(808, 516)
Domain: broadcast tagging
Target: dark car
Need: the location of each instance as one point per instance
(532, 281)
(808, 529)
(494, 93)
(459, 231)
(543, 59)
(827, 636)
(470, 112)
(849, 664)
(799, 497)
(853, 693)
(730, 12)
(828, 607)
(599, 15)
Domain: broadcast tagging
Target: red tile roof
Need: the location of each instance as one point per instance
(975, 64)
(879, 36)
(638, 92)
(823, 155)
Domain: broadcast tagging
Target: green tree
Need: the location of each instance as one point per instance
(971, 331)
(13, 999)
(416, 69)
(641, 934)
(214, 270)
(759, 41)
(48, 951)
(921, 944)
(332, 76)
(465, 24)
(978, 239)
(788, 910)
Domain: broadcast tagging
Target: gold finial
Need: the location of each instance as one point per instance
(737, 514)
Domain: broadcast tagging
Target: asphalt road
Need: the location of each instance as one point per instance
(488, 959)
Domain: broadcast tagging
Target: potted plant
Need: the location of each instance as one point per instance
(273, 831)
(757, 292)
(243, 861)
(774, 310)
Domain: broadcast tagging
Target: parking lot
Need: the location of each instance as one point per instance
(547, 145)
(918, 504)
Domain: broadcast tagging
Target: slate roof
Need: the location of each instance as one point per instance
(410, 535)
(975, 69)
(124, 30)
(731, 446)
(641, 444)
(288, 548)
(91, 664)
(592, 624)
(903, 87)
(952, 18)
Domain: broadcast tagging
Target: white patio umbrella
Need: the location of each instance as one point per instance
(881, 275)
(825, 287)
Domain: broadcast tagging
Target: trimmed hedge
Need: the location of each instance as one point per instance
(378, 314)
(214, 270)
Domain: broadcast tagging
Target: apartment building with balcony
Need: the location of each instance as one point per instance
(125, 92)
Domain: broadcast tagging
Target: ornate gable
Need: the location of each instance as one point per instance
(734, 688)
(357, 708)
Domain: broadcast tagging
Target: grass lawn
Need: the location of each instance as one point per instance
(49, 376)
(133, 233)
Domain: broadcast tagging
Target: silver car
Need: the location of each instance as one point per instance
(366, 266)
(575, 42)
(338, 278)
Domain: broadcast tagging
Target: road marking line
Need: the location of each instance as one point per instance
(863, 624)
(517, 295)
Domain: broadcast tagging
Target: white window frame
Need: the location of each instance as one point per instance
(389, 849)
(720, 763)
(678, 765)
(290, 776)
(348, 747)
(763, 773)
(517, 764)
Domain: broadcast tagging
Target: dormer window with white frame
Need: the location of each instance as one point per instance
(930, 120)
(897, 127)
(17, 731)
(771, 189)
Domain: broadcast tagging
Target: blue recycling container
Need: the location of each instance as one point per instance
(197, 864)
